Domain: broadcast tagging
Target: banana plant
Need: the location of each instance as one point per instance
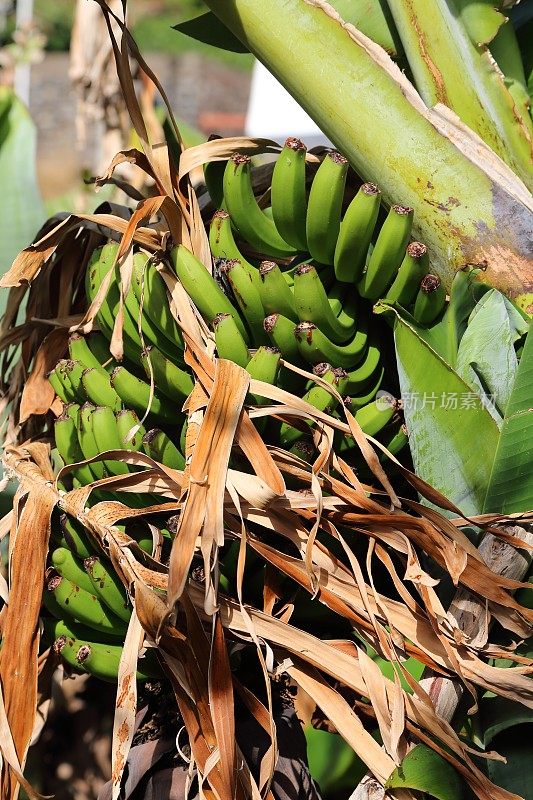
(470, 206)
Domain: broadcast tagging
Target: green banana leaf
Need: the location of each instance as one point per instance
(466, 211)
(517, 774)
(208, 29)
(484, 463)
(510, 488)
(498, 714)
(424, 770)
(21, 208)
(332, 762)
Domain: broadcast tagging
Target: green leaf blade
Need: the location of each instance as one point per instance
(425, 770)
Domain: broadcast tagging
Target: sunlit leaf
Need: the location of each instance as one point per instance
(424, 770)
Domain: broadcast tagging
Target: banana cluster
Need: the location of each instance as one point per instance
(303, 297)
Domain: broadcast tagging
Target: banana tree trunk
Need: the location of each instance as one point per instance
(469, 207)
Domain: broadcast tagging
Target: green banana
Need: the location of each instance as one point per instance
(355, 234)
(74, 537)
(387, 254)
(357, 379)
(275, 293)
(85, 607)
(74, 371)
(318, 397)
(202, 288)
(304, 449)
(325, 207)
(81, 353)
(372, 418)
(311, 302)
(54, 627)
(394, 440)
(98, 346)
(360, 400)
(87, 441)
(105, 317)
(247, 298)
(170, 379)
(105, 584)
(264, 366)
(376, 414)
(280, 330)
(97, 386)
(67, 566)
(288, 194)
(223, 244)
(102, 660)
(126, 421)
(412, 269)
(430, 300)
(162, 449)
(59, 380)
(135, 394)
(68, 445)
(149, 286)
(229, 341)
(104, 425)
(314, 347)
(250, 221)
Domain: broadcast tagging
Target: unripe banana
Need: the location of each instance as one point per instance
(162, 449)
(105, 584)
(325, 207)
(358, 378)
(412, 269)
(60, 383)
(250, 221)
(264, 366)
(288, 194)
(99, 347)
(314, 347)
(388, 253)
(74, 537)
(304, 449)
(281, 333)
(376, 414)
(360, 400)
(66, 565)
(202, 288)
(246, 297)
(312, 305)
(149, 286)
(135, 394)
(127, 421)
(318, 397)
(104, 426)
(170, 379)
(97, 386)
(102, 660)
(276, 295)
(85, 607)
(74, 371)
(394, 440)
(229, 341)
(372, 418)
(68, 445)
(355, 235)
(97, 269)
(430, 300)
(87, 441)
(53, 628)
(223, 245)
(81, 352)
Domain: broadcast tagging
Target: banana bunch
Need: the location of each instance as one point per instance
(302, 295)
